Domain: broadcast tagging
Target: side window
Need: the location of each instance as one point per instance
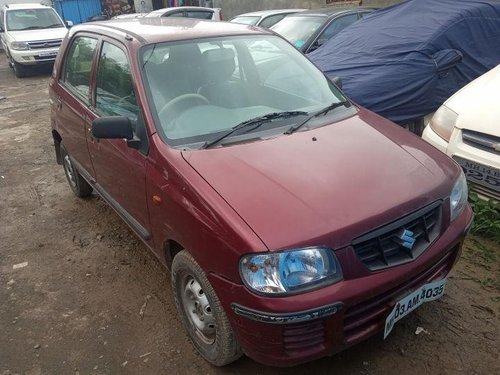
(79, 66)
(338, 25)
(271, 20)
(200, 15)
(114, 89)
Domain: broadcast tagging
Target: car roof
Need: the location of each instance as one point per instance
(264, 13)
(155, 30)
(25, 6)
(182, 8)
(329, 12)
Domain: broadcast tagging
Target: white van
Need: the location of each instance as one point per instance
(30, 35)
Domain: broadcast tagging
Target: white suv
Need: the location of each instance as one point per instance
(31, 35)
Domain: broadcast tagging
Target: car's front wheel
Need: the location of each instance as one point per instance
(201, 312)
(80, 187)
(19, 69)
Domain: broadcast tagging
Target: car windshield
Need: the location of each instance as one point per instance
(247, 20)
(32, 19)
(297, 30)
(202, 89)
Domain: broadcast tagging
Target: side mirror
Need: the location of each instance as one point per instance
(1, 29)
(69, 24)
(115, 127)
(447, 59)
(337, 81)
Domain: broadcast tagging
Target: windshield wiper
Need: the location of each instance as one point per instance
(54, 25)
(255, 122)
(324, 111)
(30, 28)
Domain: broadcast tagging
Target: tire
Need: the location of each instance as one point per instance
(195, 299)
(80, 187)
(19, 69)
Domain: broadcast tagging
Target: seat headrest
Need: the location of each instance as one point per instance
(218, 64)
(185, 54)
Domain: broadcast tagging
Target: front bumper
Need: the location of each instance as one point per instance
(335, 317)
(34, 57)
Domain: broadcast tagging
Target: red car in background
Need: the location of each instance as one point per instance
(295, 223)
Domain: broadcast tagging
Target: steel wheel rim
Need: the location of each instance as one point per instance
(68, 168)
(198, 310)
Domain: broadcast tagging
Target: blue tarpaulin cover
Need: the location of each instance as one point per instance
(401, 61)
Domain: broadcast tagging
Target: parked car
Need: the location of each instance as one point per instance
(264, 18)
(203, 13)
(30, 35)
(404, 61)
(311, 29)
(284, 241)
(466, 128)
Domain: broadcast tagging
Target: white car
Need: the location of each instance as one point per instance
(203, 13)
(467, 128)
(30, 35)
(264, 18)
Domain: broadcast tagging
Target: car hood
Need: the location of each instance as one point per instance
(43, 34)
(328, 185)
(477, 104)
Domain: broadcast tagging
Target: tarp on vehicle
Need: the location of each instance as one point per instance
(400, 61)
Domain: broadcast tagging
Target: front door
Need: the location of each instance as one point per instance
(120, 170)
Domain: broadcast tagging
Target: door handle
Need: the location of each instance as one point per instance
(59, 103)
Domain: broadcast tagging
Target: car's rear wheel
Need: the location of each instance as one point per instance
(201, 312)
(80, 187)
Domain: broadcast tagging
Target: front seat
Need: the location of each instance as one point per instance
(218, 67)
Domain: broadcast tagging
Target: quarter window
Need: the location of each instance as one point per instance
(114, 89)
(79, 66)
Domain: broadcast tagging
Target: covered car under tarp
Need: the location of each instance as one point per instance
(404, 61)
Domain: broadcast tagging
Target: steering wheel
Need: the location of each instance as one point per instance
(178, 105)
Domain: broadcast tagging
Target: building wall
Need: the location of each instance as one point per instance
(231, 8)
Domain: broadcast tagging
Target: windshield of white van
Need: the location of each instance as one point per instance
(32, 19)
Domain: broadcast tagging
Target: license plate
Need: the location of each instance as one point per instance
(480, 174)
(426, 293)
(45, 54)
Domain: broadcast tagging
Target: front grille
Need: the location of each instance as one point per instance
(484, 191)
(482, 141)
(45, 43)
(307, 336)
(400, 241)
(367, 317)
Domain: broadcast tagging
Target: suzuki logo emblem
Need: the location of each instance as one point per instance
(406, 239)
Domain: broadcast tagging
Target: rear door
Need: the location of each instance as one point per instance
(120, 170)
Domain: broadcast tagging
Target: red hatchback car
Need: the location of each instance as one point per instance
(295, 223)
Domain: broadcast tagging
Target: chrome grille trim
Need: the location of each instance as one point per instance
(483, 141)
(38, 44)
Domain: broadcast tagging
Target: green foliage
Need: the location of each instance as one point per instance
(487, 217)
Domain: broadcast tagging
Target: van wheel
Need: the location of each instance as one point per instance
(201, 312)
(19, 69)
(80, 187)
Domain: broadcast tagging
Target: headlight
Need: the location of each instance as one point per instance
(443, 122)
(19, 45)
(458, 197)
(290, 271)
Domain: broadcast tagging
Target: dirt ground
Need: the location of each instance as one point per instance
(92, 300)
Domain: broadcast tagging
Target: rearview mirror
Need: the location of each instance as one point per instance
(115, 127)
